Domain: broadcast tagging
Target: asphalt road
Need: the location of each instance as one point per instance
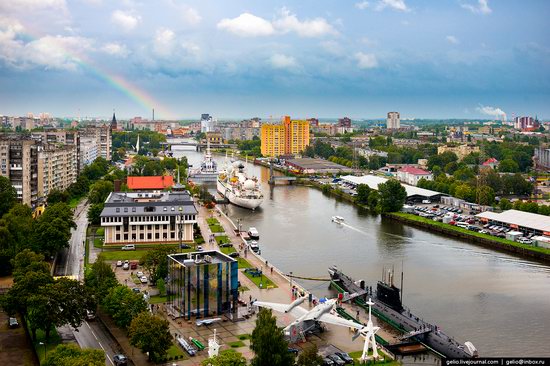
(90, 334)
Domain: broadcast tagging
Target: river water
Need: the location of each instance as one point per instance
(499, 302)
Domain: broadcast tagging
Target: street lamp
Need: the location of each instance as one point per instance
(181, 231)
(45, 352)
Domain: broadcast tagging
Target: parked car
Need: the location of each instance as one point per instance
(120, 360)
(293, 350)
(129, 247)
(119, 263)
(234, 254)
(13, 323)
(199, 248)
(337, 360)
(344, 356)
(185, 246)
(483, 231)
(126, 266)
(226, 245)
(136, 290)
(327, 362)
(524, 240)
(139, 274)
(134, 264)
(143, 279)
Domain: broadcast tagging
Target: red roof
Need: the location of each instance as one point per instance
(415, 171)
(490, 161)
(155, 182)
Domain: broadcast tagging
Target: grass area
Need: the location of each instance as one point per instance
(50, 345)
(86, 252)
(244, 336)
(243, 263)
(243, 289)
(98, 243)
(74, 202)
(121, 255)
(221, 239)
(199, 240)
(135, 279)
(236, 344)
(263, 279)
(216, 228)
(175, 351)
(100, 231)
(157, 299)
(384, 361)
(212, 221)
(227, 250)
(472, 233)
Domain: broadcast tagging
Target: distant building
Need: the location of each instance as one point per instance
(526, 123)
(66, 137)
(144, 217)
(461, 151)
(88, 152)
(214, 138)
(393, 121)
(114, 125)
(412, 175)
(101, 136)
(287, 138)
(313, 122)
(315, 166)
(345, 122)
(490, 163)
(207, 123)
(201, 284)
(19, 163)
(151, 183)
(57, 168)
(542, 158)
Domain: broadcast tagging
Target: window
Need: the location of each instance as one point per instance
(141, 236)
(173, 235)
(165, 227)
(149, 236)
(117, 237)
(118, 209)
(118, 228)
(125, 209)
(125, 237)
(133, 209)
(149, 227)
(157, 236)
(157, 227)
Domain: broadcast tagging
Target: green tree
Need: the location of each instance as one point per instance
(505, 204)
(72, 355)
(53, 229)
(99, 191)
(465, 192)
(228, 357)
(16, 227)
(464, 174)
(161, 286)
(8, 195)
(373, 200)
(122, 304)
(310, 357)
(151, 334)
(154, 262)
(100, 278)
(268, 342)
(363, 192)
(508, 166)
(56, 196)
(392, 196)
(94, 213)
(485, 195)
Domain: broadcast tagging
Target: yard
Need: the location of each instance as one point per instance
(263, 280)
(386, 362)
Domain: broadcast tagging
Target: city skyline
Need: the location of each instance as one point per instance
(449, 59)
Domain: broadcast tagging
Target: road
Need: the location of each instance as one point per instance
(70, 262)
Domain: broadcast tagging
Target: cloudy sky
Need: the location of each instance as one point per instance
(242, 58)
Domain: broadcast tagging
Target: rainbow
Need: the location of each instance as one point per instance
(129, 89)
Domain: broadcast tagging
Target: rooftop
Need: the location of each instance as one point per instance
(317, 164)
(415, 171)
(159, 182)
(373, 181)
(520, 218)
(200, 258)
(148, 203)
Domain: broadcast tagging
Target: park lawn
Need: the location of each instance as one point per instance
(98, 243)
(263, 279)
(199, 240)
(135, 279)
(222, 239)
(157, 299)
(216, 228)
(385, 361)
(227, 250)
(243, 263)
(121, 255)
(212, 221)
(236, 344)
(100, 231)
(74, 202)
(472, 233)
(174, 351)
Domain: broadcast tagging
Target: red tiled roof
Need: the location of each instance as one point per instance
(155, 182)
(413, 170)
(490, 161)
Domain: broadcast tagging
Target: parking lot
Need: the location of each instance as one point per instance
(455, 216)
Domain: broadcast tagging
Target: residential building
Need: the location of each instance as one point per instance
(215, 138)
(288, 138)
(153, 183)
(313, 122)
(202, 284)
(101, 135)
(412, 175)
(490, 163)
(88, 152)
(66, 137)
(19, 163)
(207, 123)
(393, 121)
(461, 151)
(57, 167)
(542, 158)
(344, 122)
(145, 217)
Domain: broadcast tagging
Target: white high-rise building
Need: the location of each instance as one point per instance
(393, 122)
(207, 123)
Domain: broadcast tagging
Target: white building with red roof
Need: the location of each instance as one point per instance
(412, 175)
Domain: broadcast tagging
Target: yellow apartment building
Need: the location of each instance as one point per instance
(288, 137)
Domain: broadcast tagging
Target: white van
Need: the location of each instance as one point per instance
(129, 247)
(463, 225)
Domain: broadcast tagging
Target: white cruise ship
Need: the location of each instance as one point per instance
(239, 189)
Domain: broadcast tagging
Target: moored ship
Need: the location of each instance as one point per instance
(208, 170)
(388, 307)
(238, 188)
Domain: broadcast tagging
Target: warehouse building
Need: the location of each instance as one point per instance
(414, 194)
(526, 222)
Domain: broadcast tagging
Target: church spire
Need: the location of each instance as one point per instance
(113, 122)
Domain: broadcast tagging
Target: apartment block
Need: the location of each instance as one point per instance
(101, 135)
(393, 121)
(287, 138)
(19, 163)
(57, 167)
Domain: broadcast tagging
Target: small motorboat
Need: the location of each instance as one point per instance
(253, 233)
(338, 219)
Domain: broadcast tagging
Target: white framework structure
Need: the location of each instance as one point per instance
(370, 340)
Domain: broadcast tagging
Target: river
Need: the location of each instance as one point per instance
(499, 302)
